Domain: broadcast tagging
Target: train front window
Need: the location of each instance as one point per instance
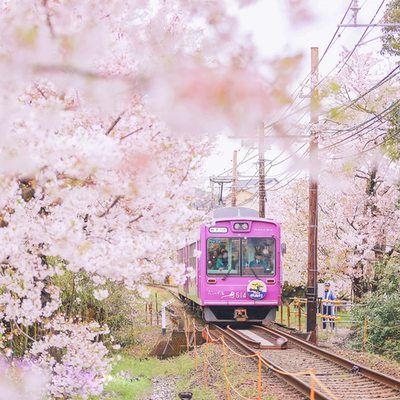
(258, 256)
(223, 256)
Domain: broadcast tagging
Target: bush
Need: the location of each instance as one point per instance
(381, 309)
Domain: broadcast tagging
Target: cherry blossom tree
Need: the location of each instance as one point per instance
(361, 181)
(359, 217)
(102, 106)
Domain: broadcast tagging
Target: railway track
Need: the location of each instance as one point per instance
(337, 377)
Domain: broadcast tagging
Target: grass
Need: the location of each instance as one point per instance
(131, 377)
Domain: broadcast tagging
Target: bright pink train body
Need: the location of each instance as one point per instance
(237, 276)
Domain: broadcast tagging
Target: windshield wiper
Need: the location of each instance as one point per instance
(254, 272)
(225, 276)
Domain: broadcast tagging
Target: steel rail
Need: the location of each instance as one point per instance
(344, 362)
(297, 383)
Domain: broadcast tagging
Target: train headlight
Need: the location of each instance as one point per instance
(241, 226)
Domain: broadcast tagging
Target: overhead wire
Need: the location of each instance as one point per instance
(372, 124)
(367, 29)
(342, 64)
(328, 47)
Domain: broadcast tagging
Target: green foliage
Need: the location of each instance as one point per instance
(391, 38)
(391, 144)
(126, 389)
(381, 309)
(131, 377)
(336, 114)
(117, 311)
(289, 291)
(151, 367)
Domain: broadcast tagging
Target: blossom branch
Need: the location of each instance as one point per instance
(21, 331)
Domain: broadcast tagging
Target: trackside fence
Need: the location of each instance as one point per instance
(294, 315)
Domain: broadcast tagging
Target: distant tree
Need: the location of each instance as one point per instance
(391, 38)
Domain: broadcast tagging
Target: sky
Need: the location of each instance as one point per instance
(276, 36)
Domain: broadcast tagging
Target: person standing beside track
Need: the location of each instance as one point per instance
(327, 307)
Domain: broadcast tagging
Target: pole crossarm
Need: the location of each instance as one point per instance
(369, 25)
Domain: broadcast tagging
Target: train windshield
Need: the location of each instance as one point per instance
(236, 256)
(223, 256)
(258, 256)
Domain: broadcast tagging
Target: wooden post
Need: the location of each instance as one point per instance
(157, 316)
(206, 364)
(282, 313)
(259, 380)
(196, 364)
(299, 316)
(288, 315)
(365, 336)
(234, 182)
(312, 384)
(151, 313)
(228, 390)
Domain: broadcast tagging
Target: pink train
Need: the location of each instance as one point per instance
(237, 276)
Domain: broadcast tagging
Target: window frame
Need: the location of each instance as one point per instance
(242, 266)
(225, 272)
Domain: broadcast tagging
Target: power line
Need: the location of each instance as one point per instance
(362, 36)
(372, 123)
(297, 92)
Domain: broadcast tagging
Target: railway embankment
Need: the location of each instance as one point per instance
(208, 371)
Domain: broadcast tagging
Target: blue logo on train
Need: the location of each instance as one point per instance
(256, 289)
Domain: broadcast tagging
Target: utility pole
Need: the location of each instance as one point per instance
(234, 181)
(355, 8)
(261, 172)
(312, 266)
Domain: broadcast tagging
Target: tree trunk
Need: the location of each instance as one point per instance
(359, 286)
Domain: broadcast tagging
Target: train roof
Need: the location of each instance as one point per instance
(229, 213)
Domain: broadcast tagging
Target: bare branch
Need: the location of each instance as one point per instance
(48, 20)
(136, 219)
(115, 122)
(116, 200)
(154, 136)
(41, 91)
(69, 69)
(132, 133)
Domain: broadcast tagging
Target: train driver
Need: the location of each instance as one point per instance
(260, 262)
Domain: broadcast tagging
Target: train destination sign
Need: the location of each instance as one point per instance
(218, 229)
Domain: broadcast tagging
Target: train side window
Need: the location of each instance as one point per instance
(223, 256)
(258, 256)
